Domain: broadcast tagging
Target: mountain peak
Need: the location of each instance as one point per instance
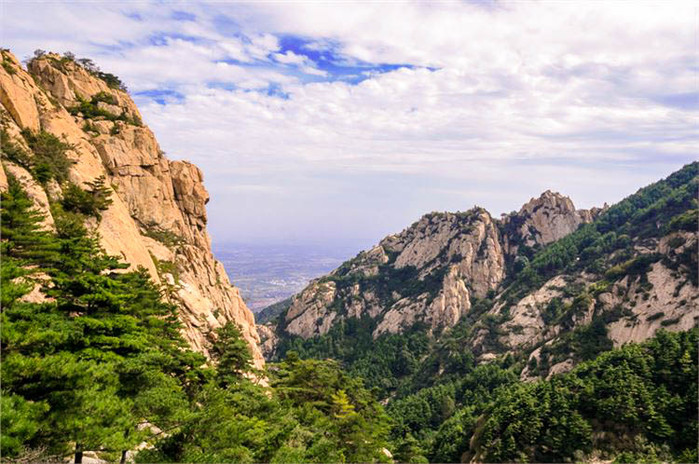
(545, 219)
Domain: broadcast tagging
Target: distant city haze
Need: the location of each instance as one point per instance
(268, 273)
(339, 123)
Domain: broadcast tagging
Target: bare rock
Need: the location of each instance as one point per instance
(17, 95)
(544, 220)
(158, 206)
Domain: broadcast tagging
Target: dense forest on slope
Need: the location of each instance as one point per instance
(440, 391)
(97, 364)
(604, 251)
(94, 362)
(634, 404)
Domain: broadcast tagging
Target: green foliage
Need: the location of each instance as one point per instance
(381, 362)
(434, 415)
(13, 151)
(164, 236)
(23, 239)
(685, 221)
(644, 391)
(272, 311)
(92, 355)
(7, 66)
(105, 97)
(49, 160)
(232, 354)
(335, 407)
(653, 211)
(90, 202)
(409, 450)
(20, 422)
(111, 80)
(90, 109)
(84, 370)
(89, 127)
(313, 413)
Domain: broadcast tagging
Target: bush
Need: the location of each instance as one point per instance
(13, 152)
(50, 161)
(164, 236)
(105, 97)
(90, 109)
(90, 202)
(7, 65)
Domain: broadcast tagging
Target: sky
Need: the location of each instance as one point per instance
(343, 122)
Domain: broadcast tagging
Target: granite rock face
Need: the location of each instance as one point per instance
(158, 214)
(544, 220)
(450, 267)
(453, 257)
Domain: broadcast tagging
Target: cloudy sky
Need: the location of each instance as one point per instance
(343, 122)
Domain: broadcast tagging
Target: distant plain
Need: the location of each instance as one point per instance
(266, 274)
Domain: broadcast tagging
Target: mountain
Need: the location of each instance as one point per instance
(156, 218)
(123, 341)
(548, 286)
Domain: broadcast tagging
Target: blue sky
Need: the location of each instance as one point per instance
(344, 122)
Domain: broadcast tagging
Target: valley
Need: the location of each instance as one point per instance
(268, 274)
(551, 334)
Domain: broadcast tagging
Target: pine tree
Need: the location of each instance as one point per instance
(104, 355)
(232, 354)
(23, 235)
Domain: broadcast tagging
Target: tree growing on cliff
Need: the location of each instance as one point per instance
(98, 358)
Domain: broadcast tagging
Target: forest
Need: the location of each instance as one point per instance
(99, 366)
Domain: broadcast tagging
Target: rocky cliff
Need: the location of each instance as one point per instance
(548, 284)
(544, 220)
(157, 218)
(429, 273)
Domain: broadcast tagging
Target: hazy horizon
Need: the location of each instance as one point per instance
(319, 123)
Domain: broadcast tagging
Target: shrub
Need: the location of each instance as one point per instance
(89, 202)
(90, 109)
(89, 127)
(7, 66)
(49, 160)
(164, 236)
(105, 97)
(12, 151)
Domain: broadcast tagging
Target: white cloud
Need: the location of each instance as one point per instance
(290, 58)
(521, 97)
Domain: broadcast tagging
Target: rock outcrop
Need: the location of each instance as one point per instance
(158, 216)
(544, 220)
(452, 267)
(430, 272)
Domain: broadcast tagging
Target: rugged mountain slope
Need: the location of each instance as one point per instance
(157, 218)
(549, 285)
(431, 272)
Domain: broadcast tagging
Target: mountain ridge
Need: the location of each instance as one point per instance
(467, 242)
(547, 279)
